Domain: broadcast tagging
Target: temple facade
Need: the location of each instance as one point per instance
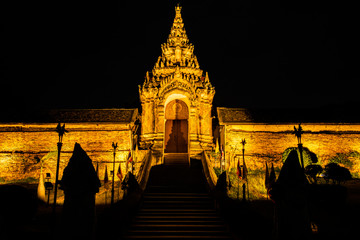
(176, 99)
(175, 122)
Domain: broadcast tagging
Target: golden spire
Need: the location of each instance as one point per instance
(177, 68)
(177, 51)
(177, 34)
(177, 61)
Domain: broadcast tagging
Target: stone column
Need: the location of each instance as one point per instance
(147, 121)
(159, 127)
(194, 131)
(205, 135)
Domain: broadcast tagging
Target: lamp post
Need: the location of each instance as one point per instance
(48, 186)
(114, 145)
(243, 142)
(222, 156)
(61, 131)
(298, 132)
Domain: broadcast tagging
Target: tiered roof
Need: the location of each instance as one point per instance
(177, 60)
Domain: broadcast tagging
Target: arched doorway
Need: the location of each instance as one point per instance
(176, 138)
(176, 127)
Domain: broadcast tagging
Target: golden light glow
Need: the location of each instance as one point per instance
(177, 75)
(23, 146)
(267, 142)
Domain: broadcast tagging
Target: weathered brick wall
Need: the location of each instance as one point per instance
(23, 145)
(267, 142)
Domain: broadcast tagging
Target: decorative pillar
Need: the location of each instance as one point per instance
(159, 128)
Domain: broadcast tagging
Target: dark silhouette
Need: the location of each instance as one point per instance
(61, 131)
(129, 184)
(290, 194)
(221, 185)
(337, 173)
(80, 184)
(17, 207)
(313, 171)
(272, 176)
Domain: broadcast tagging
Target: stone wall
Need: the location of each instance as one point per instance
(23, 147)
(267, 142)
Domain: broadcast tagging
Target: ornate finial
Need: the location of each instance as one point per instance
(243, 142)
(61, 131)
(207, 77)
(114, 145)
(298, 132)
(178, 10)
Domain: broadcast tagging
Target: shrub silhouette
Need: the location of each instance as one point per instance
(312, 171)
(337, 173)
(308, 156)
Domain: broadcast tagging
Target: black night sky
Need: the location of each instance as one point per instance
(70, 54)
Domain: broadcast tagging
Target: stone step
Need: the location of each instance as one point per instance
(178, 222)
(176, 198)
(181, 159)
(198, 234)
(179, 227)
(176, 189)
(165, 202)
(176, 205)
(171, 218)
(177, 201)
(179, 206)
(189, 237)
(177, 212)
(176, 232)
(169, 210)
(176, 195)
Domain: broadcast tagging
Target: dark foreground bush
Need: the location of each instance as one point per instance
(336, 173)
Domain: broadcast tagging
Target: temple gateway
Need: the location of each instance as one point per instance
(175, 124)
(176, 99)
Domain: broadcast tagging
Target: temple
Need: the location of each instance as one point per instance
(176, 99)
(174, 123)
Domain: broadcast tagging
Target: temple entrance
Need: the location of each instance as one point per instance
(176, 136)
(176, 132)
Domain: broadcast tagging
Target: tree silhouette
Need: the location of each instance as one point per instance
(337, 173)
(313, 171)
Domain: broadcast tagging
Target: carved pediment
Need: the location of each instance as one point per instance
(178, 85)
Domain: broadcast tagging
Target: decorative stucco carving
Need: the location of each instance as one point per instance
(176, 73)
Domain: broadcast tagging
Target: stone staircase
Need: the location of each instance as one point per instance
(176, 205)
(176, 158)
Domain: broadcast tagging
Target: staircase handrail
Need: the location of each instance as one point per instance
(209, 171)
(144, 171)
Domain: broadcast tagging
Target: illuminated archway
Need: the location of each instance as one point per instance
(176, 127)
